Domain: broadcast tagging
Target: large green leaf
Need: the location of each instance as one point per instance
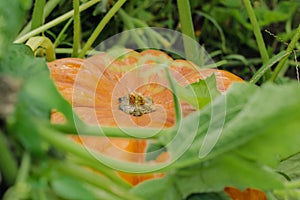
(260, 128)
(269, 119)
(12, 16)
(200, 129)
(226, 170)
(37, 96)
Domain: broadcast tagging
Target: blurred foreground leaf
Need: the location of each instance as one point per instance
(12, 16)
(37, 96)
(260, 129)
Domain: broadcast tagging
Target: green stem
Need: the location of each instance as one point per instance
(259, 39)
(94, 179)
(24, 168)
(108, 172)
(38, 14)
(259, 73)
(76, 33)
(112, 131)
(62, 142)
(218, 27)
(63, 50)
(100, 27)
(55, 22)
(187, 29)
(128, 23)
(40, 42)
(214, 65)
(256, 29)
(60, 35)
(175, 98)
(70, 50)
(151, 32)
(49, 7)
(8, 166)
(290, 48)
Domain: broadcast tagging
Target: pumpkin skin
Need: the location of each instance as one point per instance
(94, 85)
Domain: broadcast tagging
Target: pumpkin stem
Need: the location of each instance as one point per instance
(136, 104)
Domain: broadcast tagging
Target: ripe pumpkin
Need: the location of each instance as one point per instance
(126, 91)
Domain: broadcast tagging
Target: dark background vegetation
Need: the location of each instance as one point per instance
(222, 26)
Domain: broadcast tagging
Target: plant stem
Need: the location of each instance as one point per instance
(259, 73)
(55, 22)
(128, 22)
(61, 33)
(77, 151)
(175, 98)
(49, 7)
(256, 29)
(62, 142)
(218, 27)
(259, 39)
(24, 168)
(38, 14)
(94, 179)
(109, 172)
(100, 27)
(152, 32)
(76, 33)
(8, 165)
(187, 29)
(37, 42)
(111, 131)
(290, 48)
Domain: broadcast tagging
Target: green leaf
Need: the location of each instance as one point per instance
(258, 124)
(207, 123)
(282, 12)
(205, 90)
(262, 70)
(156, 150)
(200, 93)
(161, 189)
(259, 128)
(226, 170)
(231, 3)
(38, 88)
(12, 16)
(24, 67)
(37, 97)
(290, 167)
(68, 187)
(270, 118)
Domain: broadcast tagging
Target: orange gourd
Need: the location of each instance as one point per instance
(126, 91)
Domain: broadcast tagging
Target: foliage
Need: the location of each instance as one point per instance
(256, 127)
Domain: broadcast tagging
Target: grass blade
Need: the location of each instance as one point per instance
(268, 65)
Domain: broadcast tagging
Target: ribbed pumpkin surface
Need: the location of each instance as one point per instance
(95, 85)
